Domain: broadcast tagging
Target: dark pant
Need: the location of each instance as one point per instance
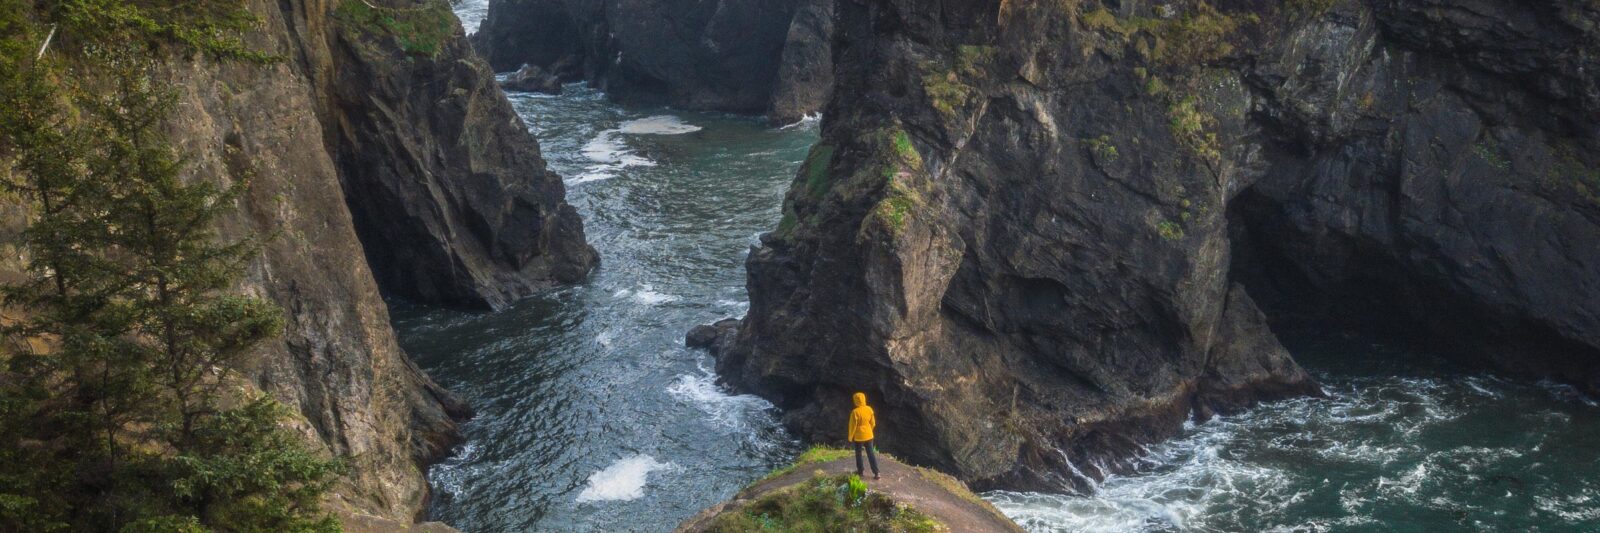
(872, 456)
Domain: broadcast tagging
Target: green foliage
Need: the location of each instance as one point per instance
(1199, 35)
(420, 30)
(895, 159)
(946, 91)
(1102, 148)
(241, 472)
(946, 82)
(1169, 230)
(1194, 129)
(814, 454)
(973, 60)
(857, 490)
(904, 148)
(826, 504)
(110, 413)
(209, 27)
(895, 207)
(815, 169)
(1102, 20)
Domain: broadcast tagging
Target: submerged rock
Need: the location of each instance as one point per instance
(532, 79)
(1036, 236)
(743, 56)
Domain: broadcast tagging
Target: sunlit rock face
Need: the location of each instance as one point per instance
(372, 171)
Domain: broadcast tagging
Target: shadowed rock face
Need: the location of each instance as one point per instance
(453, 203)
(1432, 167)
(743, 56)
(1036, 235)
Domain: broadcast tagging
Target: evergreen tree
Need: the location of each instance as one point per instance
(113, 415)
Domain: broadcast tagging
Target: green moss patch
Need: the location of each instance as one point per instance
(1199, 35)
(826, 504)
(1102, 148)
(812, 455)
(420, 30)
(815, 169)
(1169, 230)
(1194, 129)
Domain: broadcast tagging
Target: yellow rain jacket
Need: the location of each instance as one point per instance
(862, 420)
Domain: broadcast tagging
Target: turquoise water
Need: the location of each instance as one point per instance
(1406, 442)
(592, 415)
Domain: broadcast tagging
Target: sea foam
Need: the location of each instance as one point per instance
(623, 480)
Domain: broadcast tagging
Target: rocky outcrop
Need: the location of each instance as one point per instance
(1440, 162)
(903, 498)
(532, 79)
(1035, 233)
(805, 70)
(743, 56)
(360, 147)
(450, 196)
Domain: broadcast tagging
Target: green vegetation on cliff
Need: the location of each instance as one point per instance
(823, 504)
(117, 412)
(820, 492)
(420, 29)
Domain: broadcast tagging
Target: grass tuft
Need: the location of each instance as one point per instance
(826, 503)
(421, 30)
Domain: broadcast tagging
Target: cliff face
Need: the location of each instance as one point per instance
(1434, 166)
(1035, 232)
(447, 188)
(356, 149)
(743, 56)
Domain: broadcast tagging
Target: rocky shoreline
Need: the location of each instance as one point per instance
(1041, 234)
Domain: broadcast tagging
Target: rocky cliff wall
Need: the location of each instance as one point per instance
(1035, 232)
(362, 144)
(743, 56)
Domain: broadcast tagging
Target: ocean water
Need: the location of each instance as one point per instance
(471, 13)
(1405, 442)
(593, 416)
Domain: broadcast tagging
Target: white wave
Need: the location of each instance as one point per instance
(657, 125)
(806, 122)
(606, 148)
(610, 156)
(623, 480)
(593, 175)
(451, 476)
(647, 295)
(731, 411)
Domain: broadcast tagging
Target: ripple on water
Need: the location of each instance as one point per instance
(1423, 452)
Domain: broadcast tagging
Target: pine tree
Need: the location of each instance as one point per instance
(113, 415)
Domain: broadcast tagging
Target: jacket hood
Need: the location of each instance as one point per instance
(860, 398)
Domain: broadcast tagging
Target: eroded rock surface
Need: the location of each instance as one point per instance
(1035, 233)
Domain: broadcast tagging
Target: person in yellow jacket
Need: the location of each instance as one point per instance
(862, 422)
